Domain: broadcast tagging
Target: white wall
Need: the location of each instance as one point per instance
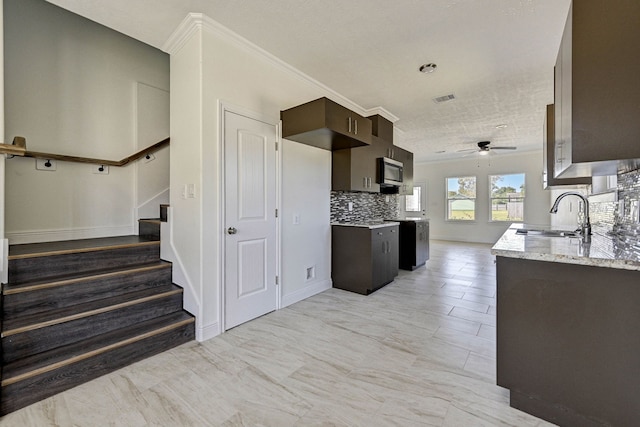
(537, 202)
(305, 200)
(71, 88)
(210, 66)
(152, 126)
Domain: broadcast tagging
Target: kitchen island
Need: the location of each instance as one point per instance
(568, 313)
(364, 255)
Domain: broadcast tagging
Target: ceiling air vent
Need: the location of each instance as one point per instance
(445, 98)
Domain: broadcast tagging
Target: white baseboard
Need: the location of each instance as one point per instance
(204, 333)
(306, 292)
(37, 236)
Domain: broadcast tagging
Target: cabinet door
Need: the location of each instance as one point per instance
(393, 251)
(406, 157)
(378, 257)
(563, 103)
(345, 121)
(422, 242)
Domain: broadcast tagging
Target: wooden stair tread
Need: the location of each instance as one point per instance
(38, 320)
(49, 360)
(152, 220)
(11, 288)
(75, 246)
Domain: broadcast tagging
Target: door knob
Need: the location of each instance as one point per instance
(232, 230)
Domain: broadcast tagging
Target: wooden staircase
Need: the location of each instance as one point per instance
(75, 310)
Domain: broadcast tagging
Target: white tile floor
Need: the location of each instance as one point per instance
(419, 352)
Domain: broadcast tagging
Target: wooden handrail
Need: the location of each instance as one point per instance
(19, 148)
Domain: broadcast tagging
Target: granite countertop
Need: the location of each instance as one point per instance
(599, 253)
(367, 224)
(410, 219)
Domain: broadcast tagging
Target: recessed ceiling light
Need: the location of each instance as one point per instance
(428, 68)
(501, 126)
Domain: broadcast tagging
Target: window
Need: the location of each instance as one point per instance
(412, 202)
(507, 197)
(461, 198)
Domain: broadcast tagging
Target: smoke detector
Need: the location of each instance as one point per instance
(428, 68)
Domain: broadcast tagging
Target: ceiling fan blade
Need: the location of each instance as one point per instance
(467, 150)
(504, 148)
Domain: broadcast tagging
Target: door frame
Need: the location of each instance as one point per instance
(224, 107)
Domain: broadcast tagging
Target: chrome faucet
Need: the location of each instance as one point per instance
(585, 227)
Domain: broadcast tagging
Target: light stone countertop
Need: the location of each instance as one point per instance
(370, 225)
(599, 253)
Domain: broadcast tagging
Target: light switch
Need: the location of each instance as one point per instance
(350, 206)
(296, 219)
(191, 191)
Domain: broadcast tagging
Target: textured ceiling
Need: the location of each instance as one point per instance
(496, 56)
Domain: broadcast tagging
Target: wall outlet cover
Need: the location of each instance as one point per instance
(45, 165)
(100, 170)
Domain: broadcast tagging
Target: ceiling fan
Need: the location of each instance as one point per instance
(484, 147)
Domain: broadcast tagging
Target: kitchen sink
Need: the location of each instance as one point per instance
(547, 233)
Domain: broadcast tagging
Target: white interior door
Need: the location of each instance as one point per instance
(416, 205)
(250, 217)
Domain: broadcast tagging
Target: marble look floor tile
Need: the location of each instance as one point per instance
(461, 302)
(481, 365)
(482, 299)
(418, 352)
(469, 342)
(474, 316)
(487, 332)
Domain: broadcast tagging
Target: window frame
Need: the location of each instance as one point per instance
(448, 199)
(522, 198)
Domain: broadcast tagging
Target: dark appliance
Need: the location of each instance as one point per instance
(390, 173)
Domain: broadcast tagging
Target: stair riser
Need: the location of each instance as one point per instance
(26, 392)
(149, 230)
(38, 301)
(43, 339)
(24, 270)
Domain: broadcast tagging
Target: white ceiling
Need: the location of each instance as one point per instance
(496, 56)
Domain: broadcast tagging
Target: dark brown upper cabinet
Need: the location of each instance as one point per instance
(383, 131)
(325, 124)
(597, 95)
(549, 180)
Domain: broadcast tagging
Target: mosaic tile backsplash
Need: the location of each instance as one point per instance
(366, 206)
(621, 219)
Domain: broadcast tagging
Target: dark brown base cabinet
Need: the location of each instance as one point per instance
(568, 346)
(414, 244)
(363, 259)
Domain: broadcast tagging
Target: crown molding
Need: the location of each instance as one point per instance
(189, 26)
(194, 22)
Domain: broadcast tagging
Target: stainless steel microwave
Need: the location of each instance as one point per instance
(389, 172)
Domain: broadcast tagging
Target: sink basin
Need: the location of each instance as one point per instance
(547, 233)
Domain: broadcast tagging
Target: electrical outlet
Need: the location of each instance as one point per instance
(100, 170)
(311, 273)
(296, 219)
(45, 165)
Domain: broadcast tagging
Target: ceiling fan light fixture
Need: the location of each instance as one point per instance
(428, 68)
(484, 152)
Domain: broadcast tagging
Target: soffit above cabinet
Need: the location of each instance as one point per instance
(325, 124)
